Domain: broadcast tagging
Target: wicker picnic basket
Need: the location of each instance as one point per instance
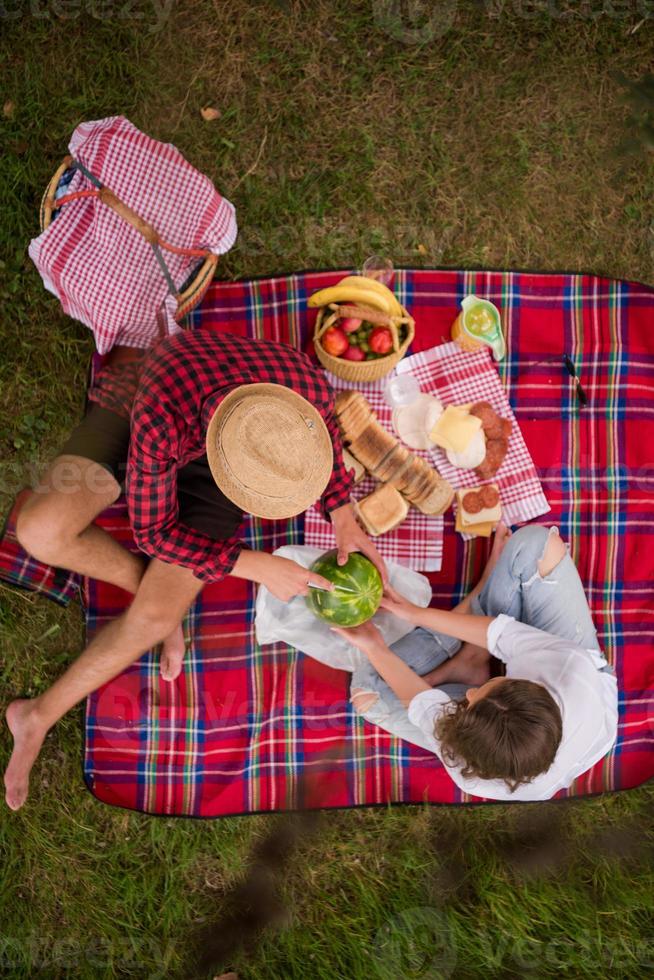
(196, 284)
(362, 370)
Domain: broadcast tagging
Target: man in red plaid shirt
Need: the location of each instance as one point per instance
(181, 519)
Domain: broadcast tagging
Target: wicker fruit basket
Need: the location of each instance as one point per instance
(362, 370)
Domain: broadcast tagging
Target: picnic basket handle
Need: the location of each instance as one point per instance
(108, 197)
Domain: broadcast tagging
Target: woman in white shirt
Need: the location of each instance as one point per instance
(523, 735)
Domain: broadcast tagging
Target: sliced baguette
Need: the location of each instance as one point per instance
(438, 500)
(387, 460)
(392, 463)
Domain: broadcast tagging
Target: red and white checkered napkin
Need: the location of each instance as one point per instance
(418, 542)
(458, 377)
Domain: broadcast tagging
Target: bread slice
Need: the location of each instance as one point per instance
(381, 511)
(392, 463)
(419, 479)
(344, 399)
(354, 416)
(372, 446)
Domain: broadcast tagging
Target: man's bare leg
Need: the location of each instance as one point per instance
(55, 523)
(163, 598)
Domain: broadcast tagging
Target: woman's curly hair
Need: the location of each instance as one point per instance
(512, 733)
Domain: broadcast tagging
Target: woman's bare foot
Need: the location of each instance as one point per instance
(28, 732)
(502, 535)
(470, 665)
(474, 665)
(172, 654)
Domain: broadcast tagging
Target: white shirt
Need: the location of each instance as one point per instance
(588, 700)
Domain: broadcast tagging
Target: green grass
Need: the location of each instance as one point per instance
(492, 144)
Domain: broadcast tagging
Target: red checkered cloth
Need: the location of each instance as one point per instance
(457, 377)
(102, 270)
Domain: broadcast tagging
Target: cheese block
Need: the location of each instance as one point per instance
(455, 429)
(478, 530)
(473, 456)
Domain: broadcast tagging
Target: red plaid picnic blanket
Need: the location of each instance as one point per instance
(102, 270)
(249, 729)
(457, 377)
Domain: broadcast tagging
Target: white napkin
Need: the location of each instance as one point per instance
(294, 623)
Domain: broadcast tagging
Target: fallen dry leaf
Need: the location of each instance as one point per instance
(227, 976)
(422, 249)
(209, 114)
(8, 109)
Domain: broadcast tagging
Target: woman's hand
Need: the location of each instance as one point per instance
(286, 579)
(366, 637)
(398, 675)
(351, 537)
(398, 605)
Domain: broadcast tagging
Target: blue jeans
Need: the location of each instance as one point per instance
(555, 603)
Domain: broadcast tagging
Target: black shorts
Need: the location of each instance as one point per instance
(103, 437)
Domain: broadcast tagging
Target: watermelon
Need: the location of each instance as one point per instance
(346, 608)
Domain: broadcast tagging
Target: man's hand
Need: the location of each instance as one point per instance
(366, 637)
(286, 579)
(281, 576)
(351, 537)
(398, 605)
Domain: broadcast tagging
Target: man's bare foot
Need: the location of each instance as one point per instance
(172, 654)
(28, 735)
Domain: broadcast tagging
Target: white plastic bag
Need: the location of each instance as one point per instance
(294, 623)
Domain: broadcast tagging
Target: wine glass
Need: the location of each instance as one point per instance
(380, 268)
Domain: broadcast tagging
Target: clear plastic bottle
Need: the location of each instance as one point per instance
(401, 389)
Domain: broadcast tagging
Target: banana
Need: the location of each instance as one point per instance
(378, 287)
(351, 294)
(364, 313)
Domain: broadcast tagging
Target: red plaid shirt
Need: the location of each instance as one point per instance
(182, 381)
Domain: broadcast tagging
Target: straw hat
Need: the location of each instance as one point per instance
(269, 450)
